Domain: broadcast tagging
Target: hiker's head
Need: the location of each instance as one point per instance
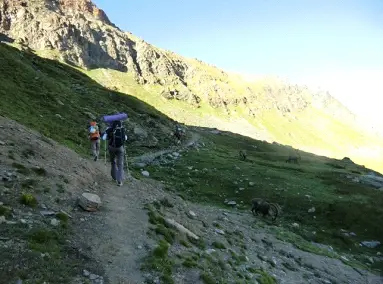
(116, 123)
(93, 123)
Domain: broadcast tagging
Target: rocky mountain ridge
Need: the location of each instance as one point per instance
(187, 90)
(84, 36)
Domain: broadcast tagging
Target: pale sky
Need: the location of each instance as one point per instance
(335, 43)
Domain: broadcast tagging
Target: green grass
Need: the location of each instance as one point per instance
(45, 256)
(5, 211)
(28, 200)
(339, 203)
(159, 261)
(31, 96)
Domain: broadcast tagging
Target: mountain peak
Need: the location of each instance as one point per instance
(67, 7)
(84, 7)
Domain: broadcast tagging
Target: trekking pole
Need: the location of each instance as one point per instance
(126, 164)
(105, 152)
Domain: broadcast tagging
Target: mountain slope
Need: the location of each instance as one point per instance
(188, 90)
(58, 100)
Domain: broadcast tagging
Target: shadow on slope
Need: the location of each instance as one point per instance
(58, 101)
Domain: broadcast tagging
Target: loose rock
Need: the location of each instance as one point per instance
(89, 201)
(145, 173)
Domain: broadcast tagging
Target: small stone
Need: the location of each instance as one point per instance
(86, 273)
(47, 213)
(191, 214)
(23, 221)
(311, 210)
(2, 219)
(139, 247)
(210, 251)
(93, 276)
(2, 143)
(370, 244)
(140, 165)
(231, 203)
(55, 222)
(295, 225)
(344, 258)
(82, 219)
(145, 173)
(251, 183)
(219, 231)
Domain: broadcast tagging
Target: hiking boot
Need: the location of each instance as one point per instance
(119, 183)
(95, 159)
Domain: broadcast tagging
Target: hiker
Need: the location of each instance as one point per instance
(94, 136)
(116, 137)
(179, 133)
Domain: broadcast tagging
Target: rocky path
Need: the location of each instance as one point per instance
(117, 233)
(117, 237)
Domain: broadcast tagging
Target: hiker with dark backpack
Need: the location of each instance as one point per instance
(94, 137)
(116, 137)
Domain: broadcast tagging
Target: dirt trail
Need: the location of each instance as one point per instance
(149, 157)
(117, 234)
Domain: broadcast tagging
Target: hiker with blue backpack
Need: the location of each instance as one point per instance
(115, 134)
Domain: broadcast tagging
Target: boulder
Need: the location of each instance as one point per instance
(372, 180)
(89, 201)
(371, 244)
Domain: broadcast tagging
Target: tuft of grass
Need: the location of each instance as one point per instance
(166, 232)
(62, 217)
(218, 245)
(185, 243)
(21, 168)
(60, 188)
(166, 203)
(207, 278)
(28, 200)
(5, 211)
(265, 278)
(159, 261)
(190, 263)
(27, 153)
(40, 171)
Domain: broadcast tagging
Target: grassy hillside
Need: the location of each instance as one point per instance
(215, 173)
(313, 129)
(56, 99)
(59, 101)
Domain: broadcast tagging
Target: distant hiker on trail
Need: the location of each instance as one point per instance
(179, 133)
(116, 137)
(94, 136)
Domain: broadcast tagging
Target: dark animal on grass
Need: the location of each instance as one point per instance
(293, 159)
(242, 155)
(260, 205)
